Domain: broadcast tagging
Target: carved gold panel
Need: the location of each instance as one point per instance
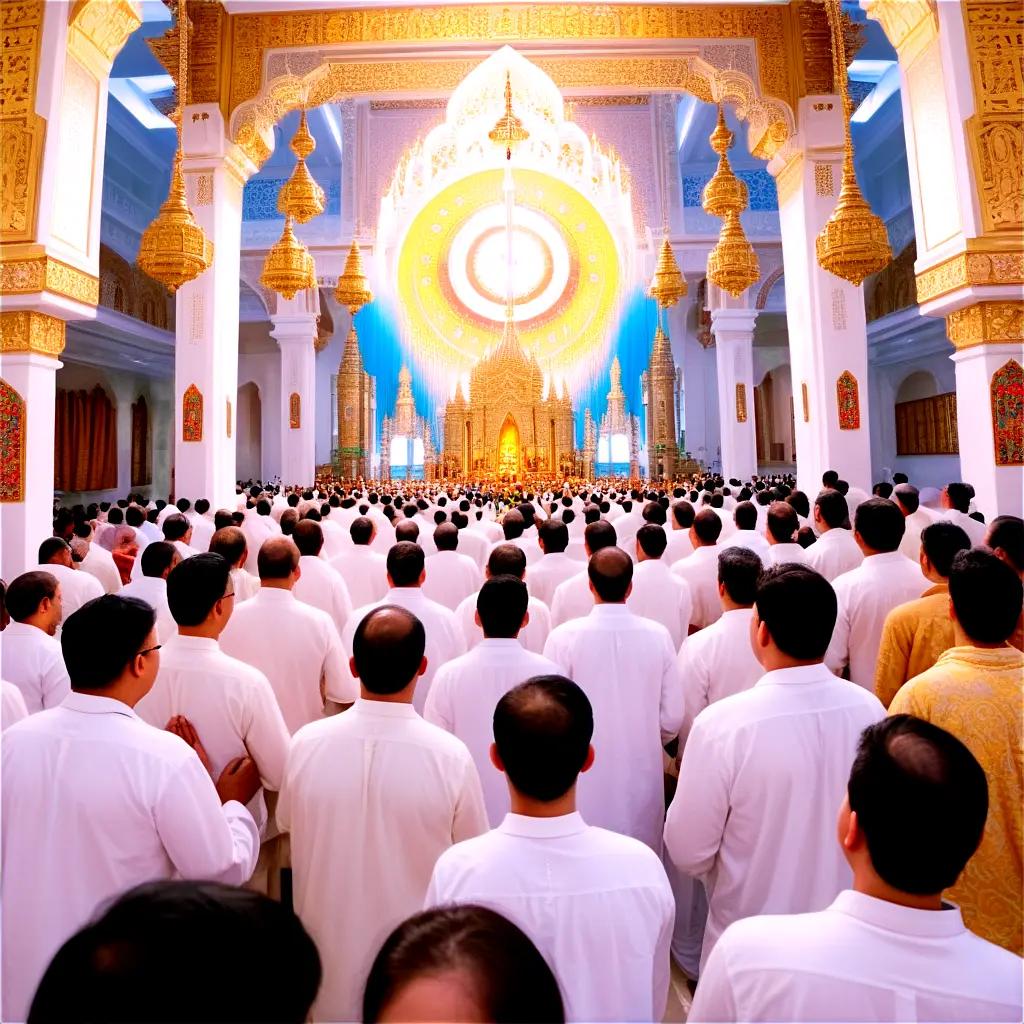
(741, 403)
(24, 275)
(98, 29)
(909, 24)
(25, 330)
(986, 323)
(970, 268)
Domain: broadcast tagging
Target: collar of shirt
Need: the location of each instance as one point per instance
(25, 629)
(705, 553)
(938, 588)
(607, 611)
(997, 658)
(891, 917)
(383, 708)
(193, 643)
(543, 828)
(786, 546)
(274, 595)
(500, 642)
(747, 613)
(92, 704)
(796, 675)
(883, 558)
(398, 595)
(835, 535)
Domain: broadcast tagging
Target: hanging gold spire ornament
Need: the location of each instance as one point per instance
(289, 266)
(509, 130)
(724, 192)
(301, 195)
(854, 243)
(733, 264)
(173, 249)
(668, 285)
(353, 289)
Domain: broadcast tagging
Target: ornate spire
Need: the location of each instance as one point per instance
(616, 376)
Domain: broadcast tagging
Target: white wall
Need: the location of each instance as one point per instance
(264, 370)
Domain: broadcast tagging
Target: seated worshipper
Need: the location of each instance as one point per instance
(229, 542)
(318, 584)
(917, 632)
(363, 569)
(955, 502)
(735, 822)
(1005, 539)
(465, 690)
(746, 534)
(507, 560)
(574, 599)
(835, 551)
(868, 593)
(658, 593)
(679, 545)
(76, 587)
(626, 665)
(97, 560)
(157, 560)
(405, 575)
(127, 802)
(460, 963)
(889, 948)
(555, 566)
(31, 658)
(974, 691)
(292, 643)
(228, 704)
(915, 518)
(135, 517)
(597, 904)
(381, 793)
(163, 950)
(781, 526)
(700, 569)
(451, 577)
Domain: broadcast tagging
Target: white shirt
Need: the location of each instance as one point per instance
(153, 590)
(488, 527)
(296, 647)
(322, 587)
(679, 545)
(244, 584)
(532, 636)
(865, 596)
(231, 705)
(527, 543)
(12, 705)
(975, 531)
(99, 563)
(450, 577)
(717, 662)
(626, 664)
(573, 599)
(475, 545)
(76, 587)
(336, 535)
(371, 798)
(548, 572)
(751, 540)
(365, 573)
(444, 637)
(861, 959)
(659, 594)
(780, 554)
(760, 784)
(596, 904)
(834, 552)
(700, 570)
(32, 660)
(202, 530)
(127, 803)
(185, 550)
(464, 695)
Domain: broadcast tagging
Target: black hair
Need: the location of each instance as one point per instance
(507, 560)
(446, 537)
(513, 524)
(175, 526)
(27, 592)
(501, 605)
(611, 572)
(308, 537)
(652, 540)
(361, 530)
(202, 506)
(388, 647)
(986, 595)
(156, 557)
(554, 535)
(654, 512)
(115, 517)
(123, 623)
(405, 563)
(50, 547)
(782, 523)
(277, 559)
(739, 571)
(407, 530)
(941, 541)
(798, 605)
(707, 526)
(195, 585)
(960, 495)
(223, 517)
(833, 508)
(1006, 533)
(134, 516)
(598, 535)
(745, 515)
(900, 478)
(230, 542)
(799, 502)
(829, 478)
(883, 489)
(683, 513)
(880, 524)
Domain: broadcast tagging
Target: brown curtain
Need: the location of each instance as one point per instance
(85, 443)
(141, 473)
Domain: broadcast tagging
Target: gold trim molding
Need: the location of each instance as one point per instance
(971, 269)
(986, 323)
(42, 273)
(98, 29)
(26, 330)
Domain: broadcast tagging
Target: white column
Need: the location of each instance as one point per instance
(206, 343)
(734, 344)
(161, 428)
(825, 314)
(124, 394)
(294, 327)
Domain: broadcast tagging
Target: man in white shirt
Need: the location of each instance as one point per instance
(679, 545)
(371, 799)
(292, 643)
(202, 525)
(90, 780)
(451, 577)
(470, 542)
(658, 593)
(513, 526)
(574, 599)
(318, 584)
(98, 561)
(405, 575)
(626, 664)
(76, 587)
(596, 904)
(889, 948)
(835, 551)
(363, 569)
(12, 705)
(555, 566)
(868, 593)
(956, 502)
(780, 530)
(746, 534)
(229, 703)
(700, 569)
(31, 657)
(157, 560)
(229, 542)
(178, 530)
(465, 691)
(764, 770)
(915, 518)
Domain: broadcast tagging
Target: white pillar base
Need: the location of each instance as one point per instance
(294, 333)
(734, 344)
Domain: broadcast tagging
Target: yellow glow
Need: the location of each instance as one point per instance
(508, 448)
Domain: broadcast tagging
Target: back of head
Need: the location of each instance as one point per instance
(175, 526)
(745, 516)
(446, 537)
(683, 514)
(407, 530)
(405, 563)
(289, 520)
(388, 648)
(115, 516)
(308, 537)
(591, 513)
(900, 478)
(277, 559)
(986, 595)
(229, 542)
(263, 507)
(542, 729)
(52, 549)
(707, 526)
(829, 478)
(1006, 535)
(27, 592)
(652, 540)
(921, 800)
(124, 623)
(941, 541)
(599, 535)
(440, 517)
(361, 530)
(501, 605)
(880, 524)
(554, 535)
(883, 489)
(908, 496)
(833, 508)
(800, 503)
(195, 585)
(313, 515)
(739, 571)
(183, 505)
(202, 506)
(798, 606)
(611, 573)
(129, 963)
(157, 556)
(507, 560)
(960, 495)
(223, 517)
(134, 516)
(782, 522)
(654, 512)
(513, 524)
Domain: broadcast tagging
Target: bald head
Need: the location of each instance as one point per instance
(387, 650)
(277, 560)
(611, 575)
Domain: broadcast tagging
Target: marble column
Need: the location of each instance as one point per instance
(161, 427)
(125, 393)
(734, 348)
(294, 328)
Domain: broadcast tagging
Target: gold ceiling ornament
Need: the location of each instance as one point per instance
(724, 192)
(509, 130)
(353, 289)
(301, 195)
(668, 285)
(289, 266)
(733, 264)
(853, 244)
(174, 250)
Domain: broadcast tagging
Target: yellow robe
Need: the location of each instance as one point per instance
(977, 695)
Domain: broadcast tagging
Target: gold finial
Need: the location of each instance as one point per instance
(668, 285)
(289, 266)
(353, 289)
(509, 130)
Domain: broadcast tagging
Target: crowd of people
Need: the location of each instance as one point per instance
(448, 751)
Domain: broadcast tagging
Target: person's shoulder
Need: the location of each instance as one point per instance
(644, 864)
(461, 856)
(771, 940)
(440, 741)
